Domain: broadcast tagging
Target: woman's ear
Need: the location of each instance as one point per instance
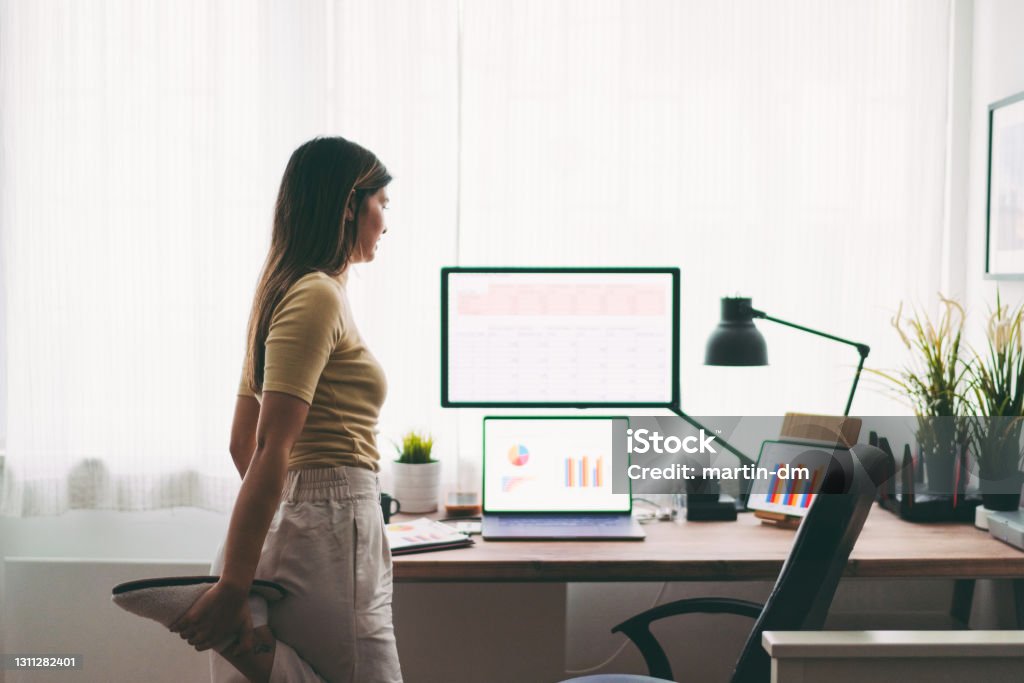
(350, 212)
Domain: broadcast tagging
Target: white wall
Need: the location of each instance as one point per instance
(117, 547)
(997, 72)
(63, 607)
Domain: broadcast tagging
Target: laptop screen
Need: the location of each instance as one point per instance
(550, 464)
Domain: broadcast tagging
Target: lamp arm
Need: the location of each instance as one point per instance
(862, 349)
(856, 377)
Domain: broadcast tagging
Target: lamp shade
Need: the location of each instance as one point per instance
(736, 341)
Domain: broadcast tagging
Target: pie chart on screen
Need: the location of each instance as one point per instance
(518, 455)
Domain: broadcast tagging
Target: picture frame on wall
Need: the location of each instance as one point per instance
(1004, 227)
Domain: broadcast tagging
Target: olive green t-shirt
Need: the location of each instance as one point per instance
(315, 352)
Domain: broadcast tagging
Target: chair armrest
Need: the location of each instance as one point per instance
(638, 628)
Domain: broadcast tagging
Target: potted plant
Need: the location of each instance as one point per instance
(997, 390)
(932, 383)
(417, 475)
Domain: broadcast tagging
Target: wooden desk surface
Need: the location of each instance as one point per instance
(721, 551)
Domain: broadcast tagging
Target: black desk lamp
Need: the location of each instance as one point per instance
(736, 341)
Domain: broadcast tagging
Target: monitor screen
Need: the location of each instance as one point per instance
(550, 464)
(559, 337)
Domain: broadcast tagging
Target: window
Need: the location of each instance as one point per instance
(779, 151)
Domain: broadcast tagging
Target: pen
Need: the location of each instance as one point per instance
(907, 481)
(889, 490)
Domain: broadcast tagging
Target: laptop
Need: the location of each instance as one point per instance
(549, 478)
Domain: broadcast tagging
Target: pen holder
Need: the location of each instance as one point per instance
(701, 491)
(702, 504)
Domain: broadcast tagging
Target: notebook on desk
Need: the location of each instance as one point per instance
(549, 478)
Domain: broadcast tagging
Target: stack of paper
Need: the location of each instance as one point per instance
(423, 535)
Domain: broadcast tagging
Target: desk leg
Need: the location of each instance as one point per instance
(1018, 599)
(963, 599)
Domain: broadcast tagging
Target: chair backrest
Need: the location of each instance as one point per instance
(804, 590)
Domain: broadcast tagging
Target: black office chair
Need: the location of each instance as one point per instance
(800, 599)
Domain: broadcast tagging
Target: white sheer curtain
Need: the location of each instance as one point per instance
(142, 147)
(791, 151)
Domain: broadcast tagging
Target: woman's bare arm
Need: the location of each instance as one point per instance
(243, 432)
(223, 611)
(281, 419)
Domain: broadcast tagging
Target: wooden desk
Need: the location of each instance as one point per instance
(717, 551)
(533, 591)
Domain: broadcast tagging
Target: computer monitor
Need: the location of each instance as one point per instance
(559, 337)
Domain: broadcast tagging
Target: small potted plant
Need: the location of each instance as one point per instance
(997, 392)
(417, 475)
(934, 382)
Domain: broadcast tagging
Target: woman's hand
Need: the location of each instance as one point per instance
(220, 614)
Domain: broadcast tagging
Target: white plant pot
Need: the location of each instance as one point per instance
(417, 487)
(981, 517)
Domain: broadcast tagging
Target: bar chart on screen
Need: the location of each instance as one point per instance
(584, 471)
(793, 492)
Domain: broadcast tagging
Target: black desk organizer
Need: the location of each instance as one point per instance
(913, 502)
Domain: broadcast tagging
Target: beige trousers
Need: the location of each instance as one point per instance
(326, 546)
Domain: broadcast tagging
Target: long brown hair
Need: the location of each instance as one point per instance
(324, 176)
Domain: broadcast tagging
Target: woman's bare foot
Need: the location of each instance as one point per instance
(255, 665)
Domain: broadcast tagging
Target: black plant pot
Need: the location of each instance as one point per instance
(1000, 502)
(1002, 494)
(999, 465)
(940, 468)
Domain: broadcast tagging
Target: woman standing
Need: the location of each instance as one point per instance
(303, 438)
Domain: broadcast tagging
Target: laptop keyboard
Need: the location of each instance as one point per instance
(567, 522)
